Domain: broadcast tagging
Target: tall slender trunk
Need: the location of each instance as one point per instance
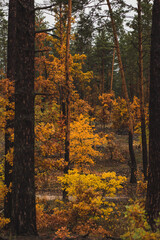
(102, 75)
(125, 91)
(153, 188)
(111, 83)
(24, 213)
(67, 120)
(11, 50)
(141, 93)
(62, 97)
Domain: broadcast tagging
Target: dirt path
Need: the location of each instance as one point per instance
(51, 197)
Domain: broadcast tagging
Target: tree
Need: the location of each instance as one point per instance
(125, 92)
(103, 56)
(67, 89)
(141, 93)
(153, 188)
(24, 215)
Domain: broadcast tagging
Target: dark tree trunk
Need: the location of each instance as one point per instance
(153, 189)
(141, 94)
(24, 214)
(67, 120)
(11, 50)
(132, 156)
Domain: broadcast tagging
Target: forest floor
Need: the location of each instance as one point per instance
(50, 189)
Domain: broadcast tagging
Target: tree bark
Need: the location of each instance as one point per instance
(102, 74)
(11, 51)
(141, 94)
(24, 214)
(62, 97)
(153, 189)
(124, 87)
(67, 88)
(111, 83)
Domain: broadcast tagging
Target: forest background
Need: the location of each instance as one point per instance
(86, 106)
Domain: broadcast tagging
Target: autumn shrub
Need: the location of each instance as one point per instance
(88, 210)
(137, 227)
(141, 188)
(44, 220)
(103, 113)
(84, 142)
(120, 116)
(113, 149)
(52, 219)
(3, 192)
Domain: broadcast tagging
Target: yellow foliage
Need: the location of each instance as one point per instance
(137, 225)
(9, 156)
(63, 233)
(103, 112)
(84, 142)
(89, 205)
(120, 115)
(3, 222)
(3, 192)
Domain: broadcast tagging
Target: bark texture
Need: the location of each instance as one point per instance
(24, 214)
(112, 72)
(141, 94)
(153, 189)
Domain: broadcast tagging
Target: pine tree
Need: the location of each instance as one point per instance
(153, 189)
(24, 215)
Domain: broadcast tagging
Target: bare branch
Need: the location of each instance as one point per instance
(40, 51)
(44, 30)
(45, 7)
(44, 94)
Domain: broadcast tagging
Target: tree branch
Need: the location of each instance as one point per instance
(44, 30)
(45, 7)
(37, 51)
(44, 94)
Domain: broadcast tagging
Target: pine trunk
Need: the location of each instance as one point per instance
(102, 75)
(67, 88)
(141, 94)
(153, 189)
(125, 92)
(111, 83)
(24, 214)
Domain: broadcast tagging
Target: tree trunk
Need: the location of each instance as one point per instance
(62, 95)
(153, 189)
(67, 120)
(141, 94)
(124, 87)
(11, 50)
(24, 214)
(102, 75)
(111, 83)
